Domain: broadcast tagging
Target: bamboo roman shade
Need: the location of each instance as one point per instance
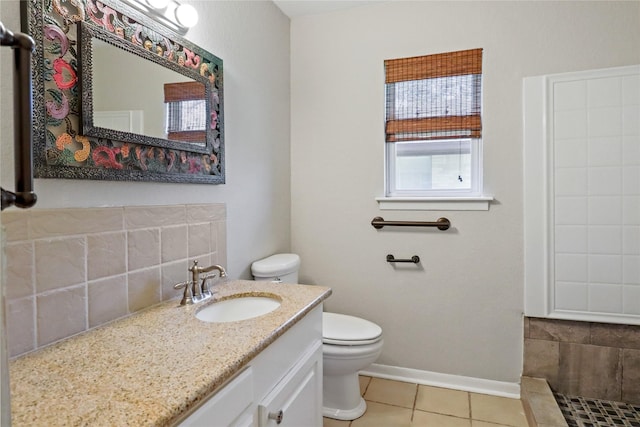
(434, 96)
(186, 111)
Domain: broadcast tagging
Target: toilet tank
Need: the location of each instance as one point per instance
(279, 267)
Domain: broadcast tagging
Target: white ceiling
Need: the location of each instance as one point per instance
(293, 8)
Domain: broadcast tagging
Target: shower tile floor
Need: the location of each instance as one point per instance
(583, 412)
(401, 404)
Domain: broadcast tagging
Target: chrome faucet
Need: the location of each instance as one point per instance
(194, 290)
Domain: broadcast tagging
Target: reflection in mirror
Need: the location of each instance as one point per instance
(139, 103)
(133, 94)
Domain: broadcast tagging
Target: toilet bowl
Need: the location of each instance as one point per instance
(349, 344)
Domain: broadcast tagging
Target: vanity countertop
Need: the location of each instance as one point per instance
(152, 367)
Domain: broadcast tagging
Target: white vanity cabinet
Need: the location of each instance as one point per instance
(294, 400)
(281, 386)
(233, 405)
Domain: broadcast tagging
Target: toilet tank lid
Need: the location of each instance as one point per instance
(275, 264)
(342, 327)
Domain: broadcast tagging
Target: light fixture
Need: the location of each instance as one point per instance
(186, 15)
(175, 15)
(158, 4)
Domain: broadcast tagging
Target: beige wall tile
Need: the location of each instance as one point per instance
(106, 255)
(173, 273)
(443, 401)
(93, 244)
(144, 289)
(590, 371)
(391, 392)
(60, 314)
(21, 328)
(499, 410)
(143, 248)
(107, 300)
(214, 236)
(154, 216)
(542, 359)
(559, 330)
(203, 260)
(221, 242)
(16, 225)
(631, 376)
(48, 223)
(59, 263)
(209, 212)
(199, 239)
(174, 242)
(19, 262)
(622, 336)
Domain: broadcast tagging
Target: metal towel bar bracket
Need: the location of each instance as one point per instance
(23, 45)
(414, 259)
(442, 223)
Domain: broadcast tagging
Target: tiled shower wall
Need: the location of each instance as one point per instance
(596, 135)
(70, 270)
(595, 360)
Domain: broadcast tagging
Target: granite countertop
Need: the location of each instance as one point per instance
(152, 367)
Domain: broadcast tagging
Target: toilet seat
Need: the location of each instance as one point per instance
(341, 329)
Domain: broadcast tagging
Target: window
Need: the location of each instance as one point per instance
(185, 111)
(434, 125)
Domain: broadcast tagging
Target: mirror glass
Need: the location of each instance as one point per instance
(154, 101)
(144, 102)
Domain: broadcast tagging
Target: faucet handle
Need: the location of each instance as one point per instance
(206, 288)
(187, 297)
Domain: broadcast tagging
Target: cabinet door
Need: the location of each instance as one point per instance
(233, 405)
(296, 401)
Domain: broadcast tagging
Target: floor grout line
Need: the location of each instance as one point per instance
(367, 387)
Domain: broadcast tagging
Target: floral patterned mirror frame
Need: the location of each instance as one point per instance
(60, 150)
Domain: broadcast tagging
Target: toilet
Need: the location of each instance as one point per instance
(349, 344)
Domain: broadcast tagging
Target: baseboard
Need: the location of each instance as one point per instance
(456, 382)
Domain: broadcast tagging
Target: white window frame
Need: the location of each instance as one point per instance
(475, 175)
(440, 199)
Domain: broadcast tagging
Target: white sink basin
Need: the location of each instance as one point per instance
(234, 309)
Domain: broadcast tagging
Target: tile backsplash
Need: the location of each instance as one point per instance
(70, 270)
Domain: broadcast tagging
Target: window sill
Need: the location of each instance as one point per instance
(476, 203)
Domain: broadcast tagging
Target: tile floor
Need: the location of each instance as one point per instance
(400, 404)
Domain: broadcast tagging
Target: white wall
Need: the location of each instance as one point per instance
(252, 38)
(461, 314)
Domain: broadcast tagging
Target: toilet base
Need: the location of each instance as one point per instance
(341, 396)
(345, 414)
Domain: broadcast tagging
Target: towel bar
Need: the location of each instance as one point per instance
(442, 223)
(414, 259)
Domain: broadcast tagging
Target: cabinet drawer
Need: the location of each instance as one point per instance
(231, 406)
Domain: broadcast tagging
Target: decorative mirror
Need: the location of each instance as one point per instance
(121, 97)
